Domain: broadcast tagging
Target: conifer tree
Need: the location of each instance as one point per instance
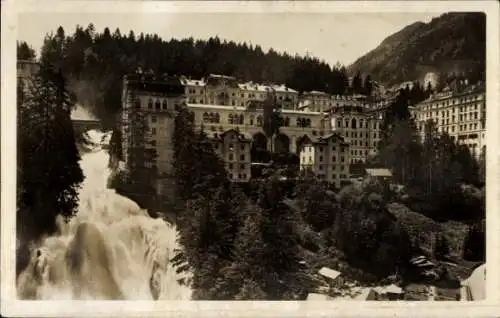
(49, 173)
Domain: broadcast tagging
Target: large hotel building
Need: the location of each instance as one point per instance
(231, 114)
(460, 112)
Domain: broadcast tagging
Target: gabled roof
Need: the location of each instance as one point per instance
(241, 136)
(325, 139)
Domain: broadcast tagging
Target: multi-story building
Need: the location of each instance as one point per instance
(328, 157)
(223, 107)
(194, 90)
(221, 90)
(461, 114)
(285, 97)
(234, 148)
(315, 101)
(360, 125)
(298, 125)
(153, 100)
(248, 92)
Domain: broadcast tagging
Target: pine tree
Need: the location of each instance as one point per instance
(25, 51)
(272, 120)
(357, 84)
(368, 85)
(47, 154)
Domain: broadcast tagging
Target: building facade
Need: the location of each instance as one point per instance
(360, 126)
(153, 100)
(234, 148)
(461, 114)
(328, 158)
(224, 108)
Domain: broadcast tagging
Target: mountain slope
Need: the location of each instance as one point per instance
(453, 42)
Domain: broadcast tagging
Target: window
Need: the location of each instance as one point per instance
(153, 131)
(150, 103)
(242, 147)
(153, 143)
(137, 103)
(157, 104)
(230, 166)
(242, 167)
(153, 119)
(334, 159)
(231, 157)
(164, 104)
(242, 157)
(334, 148)
(320, 158)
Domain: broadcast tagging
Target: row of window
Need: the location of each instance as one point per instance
(239, 119)
(454, 101)
(355, 125)
(232, 166)
(462, 127)
(462, 117)
(240, 176)
(158, 105)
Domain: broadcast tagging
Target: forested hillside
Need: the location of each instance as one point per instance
(95, 63)
(451, 43)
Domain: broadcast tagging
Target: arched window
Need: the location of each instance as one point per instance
(347, 123)
(299, 122)
(259, 120)
(158, 104)
(242, 119)
(150, 103)
(206, 118)
(217, 118)
(353, 123)
(308, 122)
(287, 121)
(230, 119)
(251, 119)
(164, 104)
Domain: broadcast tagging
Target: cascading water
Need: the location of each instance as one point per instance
(111, 250)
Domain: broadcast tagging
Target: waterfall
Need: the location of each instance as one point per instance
(111, 250)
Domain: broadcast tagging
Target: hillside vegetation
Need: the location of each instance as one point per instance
(451, 43)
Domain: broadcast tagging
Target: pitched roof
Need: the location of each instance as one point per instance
(329, 273)
(379, 172)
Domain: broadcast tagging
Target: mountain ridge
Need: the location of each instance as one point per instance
(450, 43)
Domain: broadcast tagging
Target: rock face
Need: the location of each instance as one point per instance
(451, 43)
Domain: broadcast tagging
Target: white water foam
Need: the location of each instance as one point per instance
(111, 250)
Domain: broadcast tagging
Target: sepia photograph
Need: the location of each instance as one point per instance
(257, 156)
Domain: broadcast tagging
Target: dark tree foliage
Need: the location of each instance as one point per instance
(48, 171)
(318, 205)
(475, 243)
(367, 234)
(25, 51)
(441, 248)
(95, 64)
(277, 274)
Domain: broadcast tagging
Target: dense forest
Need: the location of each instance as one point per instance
(94, 64)
(454, 43)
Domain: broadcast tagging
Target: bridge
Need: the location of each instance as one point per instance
(80, 126)
(83, 120)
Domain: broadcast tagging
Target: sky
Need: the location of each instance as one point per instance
(332, 37)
